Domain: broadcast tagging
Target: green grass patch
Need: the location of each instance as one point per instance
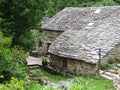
(42, 74)
(91, 83)
(98, 83)
(88, 82)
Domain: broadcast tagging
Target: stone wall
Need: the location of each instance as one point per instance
(50, 36)
(112, 54)
(75, 66)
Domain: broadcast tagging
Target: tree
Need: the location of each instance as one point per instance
(11, 64)
(18, 16)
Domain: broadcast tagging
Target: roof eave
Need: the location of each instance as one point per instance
(69, 57)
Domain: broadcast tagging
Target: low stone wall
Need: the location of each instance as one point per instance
(51, 35)
(75, 66)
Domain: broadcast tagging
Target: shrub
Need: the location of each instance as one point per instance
(19, 54)
(44, 59)
(78, 84)
(104, 67)
(111, 61)
(9, 65)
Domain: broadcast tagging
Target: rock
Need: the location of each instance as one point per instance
(115, 68)
(112, 70)
(116, 83)
(101, 72)
(95, 56)
(43, 82)
(118, 65)
(94, 53)
(110, 74)
(106, 77)
(64, 85)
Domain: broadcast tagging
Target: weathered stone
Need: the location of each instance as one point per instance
(31, 61)
(95, 57)
(112, 70)
(106, 77)
(116, 83)
(81, 44)
(94, 53)
(75, 66)
(118, 65)
(75, 18)
(101, 72)
(110, 74)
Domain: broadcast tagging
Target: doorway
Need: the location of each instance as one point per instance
(64, 62)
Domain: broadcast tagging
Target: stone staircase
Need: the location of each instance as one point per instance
(112, 73)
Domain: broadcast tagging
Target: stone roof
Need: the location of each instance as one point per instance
(84, 44)
(76, 18)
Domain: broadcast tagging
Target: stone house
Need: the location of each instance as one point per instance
(80, 37)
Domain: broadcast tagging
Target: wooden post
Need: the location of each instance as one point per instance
(99, 62)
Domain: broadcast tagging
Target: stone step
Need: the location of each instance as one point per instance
(118, 65)
(115, 68)
(106, 77)
(110, 74)
(112, 70)
(101, 72)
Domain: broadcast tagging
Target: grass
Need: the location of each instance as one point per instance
(42, 74)
(92, 82)
(98, 83)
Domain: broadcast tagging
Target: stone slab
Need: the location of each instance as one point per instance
(112, 70)
(33, 61)
(118, 65)
(106, 77)
(110, 74)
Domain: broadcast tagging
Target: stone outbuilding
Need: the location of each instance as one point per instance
(81, 37)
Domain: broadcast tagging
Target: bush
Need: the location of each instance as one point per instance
(44, 59)
(104, 67)
(14, 84)
(19, 54)
(111, 61)
(9, 65)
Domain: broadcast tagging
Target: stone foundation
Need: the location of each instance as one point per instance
(75, 66)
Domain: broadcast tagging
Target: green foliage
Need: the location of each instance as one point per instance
(9, 65)
(18, 17)
(106, 3)
(34, 86)
(19, 54)
(26, 40)
(104, 67)
(4, 41)
(79, 84)
(44, 59)
(38, 37)
(16, 84)
(111, 61)
(117, 1)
